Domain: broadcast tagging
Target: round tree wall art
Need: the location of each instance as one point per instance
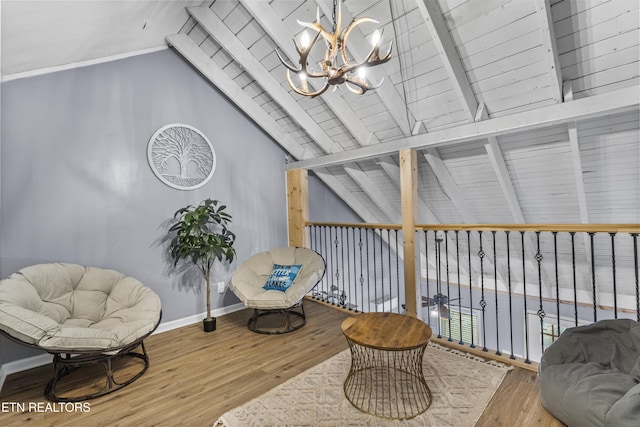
(181, 156)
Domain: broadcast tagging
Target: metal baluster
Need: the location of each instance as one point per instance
(375, 271)
(593, 278)
(483, 303)
(342, 291)
(355, 274)
(541, 314)
(398, 274)
(575, 284)
(446, 254)
(381, 269)
(426, 256)
(613, 270)
(390, 284)
(524, 281)
(459, 287)
(360, 244)
(513, 357)
(555, 257)
(366, 235)
(438, 283)
(473, 345)
(327, 252)
(637, 274)
(495, 278)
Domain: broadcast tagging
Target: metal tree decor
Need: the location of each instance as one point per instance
(181, 156)
(202, 236)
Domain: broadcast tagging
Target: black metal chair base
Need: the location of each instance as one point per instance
(64, 364)
(293, 320)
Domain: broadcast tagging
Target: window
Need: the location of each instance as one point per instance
(461, 317)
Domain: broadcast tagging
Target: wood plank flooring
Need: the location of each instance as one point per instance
(195, 377)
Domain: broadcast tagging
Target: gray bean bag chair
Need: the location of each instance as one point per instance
(590, 376)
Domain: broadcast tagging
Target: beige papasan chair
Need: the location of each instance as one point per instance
(83, 316)
(276, 311)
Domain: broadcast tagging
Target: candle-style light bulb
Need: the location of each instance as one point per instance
(375, 38)
(362, 73)
(304, 40)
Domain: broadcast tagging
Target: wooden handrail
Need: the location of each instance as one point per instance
(569, 228)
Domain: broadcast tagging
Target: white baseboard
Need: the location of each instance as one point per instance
(43, 359)
(186, 321)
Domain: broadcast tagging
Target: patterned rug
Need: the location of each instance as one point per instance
(462, 385)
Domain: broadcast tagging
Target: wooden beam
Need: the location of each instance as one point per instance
(432, 15)
(614, 102)
(298, 207)
(545, 21)
(409, 194)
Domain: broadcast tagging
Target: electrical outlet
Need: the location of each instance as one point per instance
(221, 287)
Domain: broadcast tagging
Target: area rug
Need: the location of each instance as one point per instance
(462, 385)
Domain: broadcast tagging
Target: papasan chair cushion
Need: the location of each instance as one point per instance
(248, 283)
(590, 376)
(72, 309)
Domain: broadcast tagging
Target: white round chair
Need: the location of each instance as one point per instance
(83, 316)
(277, 311)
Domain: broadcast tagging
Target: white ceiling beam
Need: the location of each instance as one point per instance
(614, 102)
(396, 105)
(576, 160)
(504, 179)
(282, 36)
(454, 194)
(432, 15)
(552, 58)
(375, 194)
(234, 47)
(210, 70)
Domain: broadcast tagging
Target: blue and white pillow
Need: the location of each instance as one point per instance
(282, 276)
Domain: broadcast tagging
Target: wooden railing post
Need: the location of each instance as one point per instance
(409, 195)
(298, 207)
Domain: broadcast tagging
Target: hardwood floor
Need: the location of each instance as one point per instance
(195, 377)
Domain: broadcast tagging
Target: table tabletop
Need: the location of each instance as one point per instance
(386, 331)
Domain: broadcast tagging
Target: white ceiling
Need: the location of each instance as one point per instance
(39, 35)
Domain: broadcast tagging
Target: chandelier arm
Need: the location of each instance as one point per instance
(363, 84)
(358, 90)
(344, 36)
(287, 63)
(303, 92)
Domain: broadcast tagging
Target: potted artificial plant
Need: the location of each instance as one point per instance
(200, 235)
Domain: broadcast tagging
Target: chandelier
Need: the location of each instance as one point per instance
(336, 67)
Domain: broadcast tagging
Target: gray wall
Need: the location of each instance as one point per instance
(76, 186)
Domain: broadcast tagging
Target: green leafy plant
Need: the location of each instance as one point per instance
(202, 236)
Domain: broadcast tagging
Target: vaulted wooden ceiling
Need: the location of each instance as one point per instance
(522, 111)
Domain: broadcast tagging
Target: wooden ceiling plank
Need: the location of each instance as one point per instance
(552, 58)
(447, 51)
(614, 102)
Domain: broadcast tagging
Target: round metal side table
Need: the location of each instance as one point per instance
(386, 377)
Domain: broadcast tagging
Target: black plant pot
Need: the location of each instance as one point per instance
(209, 325)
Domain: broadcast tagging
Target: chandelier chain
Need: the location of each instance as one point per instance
(333, 16)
